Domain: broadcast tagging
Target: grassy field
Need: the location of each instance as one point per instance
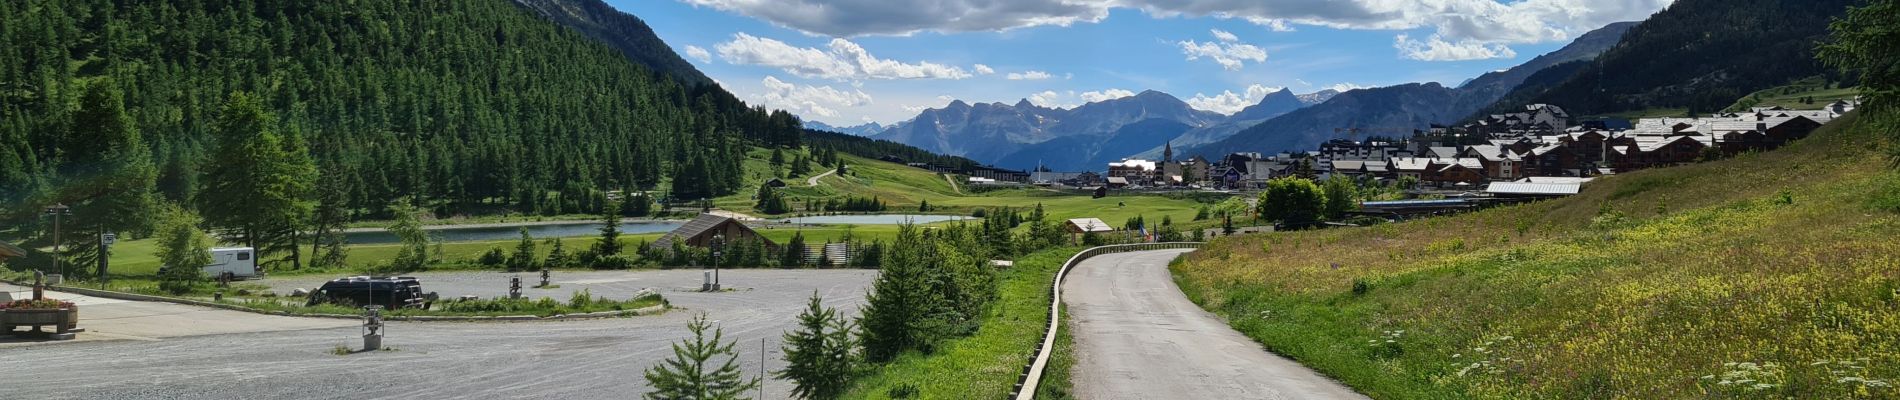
(904, 188)
(1768, 275)
(1790, 95)
(983, 365)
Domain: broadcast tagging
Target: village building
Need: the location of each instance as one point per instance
(700, 232)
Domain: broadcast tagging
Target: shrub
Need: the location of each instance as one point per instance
(494, 257)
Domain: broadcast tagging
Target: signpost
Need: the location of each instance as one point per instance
(105, 255)
(718, 248)
(56, 211)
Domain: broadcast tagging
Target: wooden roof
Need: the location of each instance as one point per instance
(700, 226)
(10, 251)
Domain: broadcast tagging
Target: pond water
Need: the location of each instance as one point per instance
(511, 232)
(878, 219)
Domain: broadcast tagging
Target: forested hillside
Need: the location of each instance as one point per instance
(1697, 54)
(450, 106)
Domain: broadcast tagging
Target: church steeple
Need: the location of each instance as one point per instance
(1167, 153)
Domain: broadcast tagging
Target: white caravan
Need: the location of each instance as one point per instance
(237, 262)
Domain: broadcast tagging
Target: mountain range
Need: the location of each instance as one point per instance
(1006, 134)
(866, 129)
(1394, 111)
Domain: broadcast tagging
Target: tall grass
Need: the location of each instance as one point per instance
(1767, 275)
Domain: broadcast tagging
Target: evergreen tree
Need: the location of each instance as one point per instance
(106, 174)
(692, 375)
(329, 220)
(903, 311)
(821, 355)
(794, 254)
(1865, 43)
(524, 256)
(638, 205)
(609, 243)
(252, 167)
(558, 257)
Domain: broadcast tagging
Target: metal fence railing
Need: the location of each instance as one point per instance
(1031, 377)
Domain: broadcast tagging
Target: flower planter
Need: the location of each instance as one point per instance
(62, 320)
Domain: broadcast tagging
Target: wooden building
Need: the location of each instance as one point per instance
(700, 231)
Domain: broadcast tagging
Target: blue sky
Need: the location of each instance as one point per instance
(846, 62)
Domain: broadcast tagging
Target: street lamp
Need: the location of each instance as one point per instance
(57, 211)
(718, 249)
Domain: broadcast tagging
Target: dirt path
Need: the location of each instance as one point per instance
(813, 181)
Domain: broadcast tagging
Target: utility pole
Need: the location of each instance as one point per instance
(57, 211)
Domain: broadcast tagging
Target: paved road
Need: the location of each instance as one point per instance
(594, 359)
(1138, 337)
(111, 319)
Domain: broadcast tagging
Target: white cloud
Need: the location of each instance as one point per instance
(1047, 98)
(1105, 95)
(698, 53)
(946, 98)
(983, 69)
(915, 109)
(842, 60)
(1229, 51)
(1490, 22)
(1437, 49)
(1228, 102)
(819, 101)
(1029, 76)
(1225, 36)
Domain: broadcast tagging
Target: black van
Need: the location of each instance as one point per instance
(389, 292)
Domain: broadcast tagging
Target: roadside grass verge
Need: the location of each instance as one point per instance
(983, 365)
(1766, 275)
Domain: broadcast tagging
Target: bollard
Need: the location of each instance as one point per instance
(514, 287)
(372, 328)
(544, 277)
(707, 286)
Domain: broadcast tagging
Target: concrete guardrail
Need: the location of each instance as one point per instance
(1031, 377)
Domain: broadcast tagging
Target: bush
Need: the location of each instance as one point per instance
(614, 262)
(494, 257)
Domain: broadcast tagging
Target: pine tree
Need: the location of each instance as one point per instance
(524, 257)
(690, 375)
(821, 355)
(558, 257)
(106, 173)
(794, 254)
(609, 243)
(903, 312)
(252, 167)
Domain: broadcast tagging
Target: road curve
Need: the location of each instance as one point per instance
(1138, 337)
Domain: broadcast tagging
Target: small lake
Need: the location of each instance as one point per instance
(513, 232)
(877, 219)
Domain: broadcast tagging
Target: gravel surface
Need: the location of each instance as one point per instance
(591, 359)
(1138, 337)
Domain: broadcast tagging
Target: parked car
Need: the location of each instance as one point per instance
(389, 292)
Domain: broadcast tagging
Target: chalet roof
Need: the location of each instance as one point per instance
(1414, 164)
(1117, 180)
(1348, 165)
(1735, 126)
(1556, 179)
(1443, 152)
(1090, 225)
(696, 227)
(10, 251)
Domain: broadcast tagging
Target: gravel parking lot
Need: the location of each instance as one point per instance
(559, 359)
